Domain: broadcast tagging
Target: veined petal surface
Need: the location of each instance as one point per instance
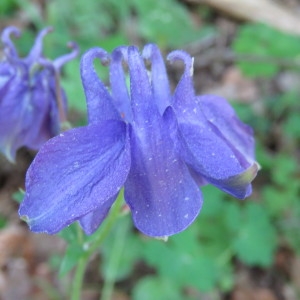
(215, 156)
(93, 220)
(119, 90)
(159, 77)
(99, 102)
(209, 155)
(142, 100)
(75, 174)
(220, 113)
(163, 197)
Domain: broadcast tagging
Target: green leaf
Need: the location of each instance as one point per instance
(167, 23)
(3, 222)
(232, 216)
(199, 272)
(150, 287)
(158, 254)
(264, 42)
(284, 168)
(275, 200)
(292, 125)
(217, 222)
(73, 253)
(181, 266)
(7, 7)
(186, 241)
(213, 201)
(131, 251)
(256, 241)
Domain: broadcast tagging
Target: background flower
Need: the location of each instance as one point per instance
(30, 95)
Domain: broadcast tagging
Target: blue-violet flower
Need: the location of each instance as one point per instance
(30, 95)
(159, 146)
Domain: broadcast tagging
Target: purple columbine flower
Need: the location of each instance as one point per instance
(30, 95)
(159, 146)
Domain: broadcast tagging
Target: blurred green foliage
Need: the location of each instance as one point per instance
(167, 27)
(265, 50)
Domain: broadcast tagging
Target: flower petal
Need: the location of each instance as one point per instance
(99, 102)
(37, 49)
(142, 101)
(16, 118)
(119, 88)
(159, 77)
(7, 77)
(60, 61)
(5, 38)
(204, 147)
(184, 95)
(44, 108)
(75, 174)
(93, 220)
(208, 154)
(219, 112)
(162, 195)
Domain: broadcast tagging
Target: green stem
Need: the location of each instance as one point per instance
(78, 279)
(117, 249)
(100, 235)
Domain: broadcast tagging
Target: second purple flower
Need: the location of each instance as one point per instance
(30, 95)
